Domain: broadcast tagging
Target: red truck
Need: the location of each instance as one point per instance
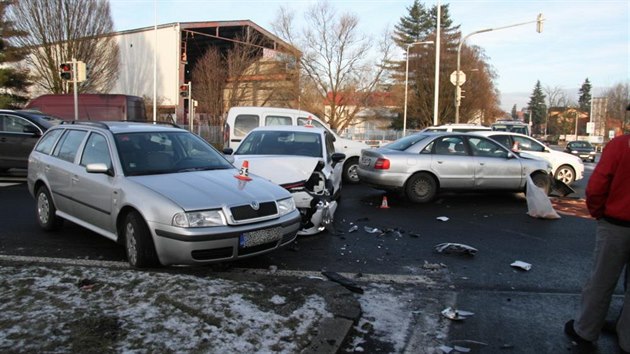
(91, 106)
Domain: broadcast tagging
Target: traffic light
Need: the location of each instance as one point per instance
(539, 23)
(184, 90)
(66, 72)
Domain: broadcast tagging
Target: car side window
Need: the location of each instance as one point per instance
(277, 120)
(69, 146)
(96, 151)
(302, 121)
(244, 123)
(15, 124)
(47, 142)
(450, 145)
(525, 144)
(330, 146)
(503, 140)
(486, 148)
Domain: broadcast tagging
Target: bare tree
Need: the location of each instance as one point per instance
(556, 97)
(618, 98)
(60, 30)
(239, 76)
(337, 59)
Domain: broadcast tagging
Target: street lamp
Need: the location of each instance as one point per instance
(407, 82)
(539, 22)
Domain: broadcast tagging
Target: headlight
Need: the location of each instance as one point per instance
(206, 218)
(574, 151)
(286, 206)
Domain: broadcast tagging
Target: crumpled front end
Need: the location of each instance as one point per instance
(316, 202)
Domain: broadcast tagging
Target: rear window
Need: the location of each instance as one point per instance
(406, 142)
(244, 123)
(277, 120)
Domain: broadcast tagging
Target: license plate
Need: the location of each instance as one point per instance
(255, 238)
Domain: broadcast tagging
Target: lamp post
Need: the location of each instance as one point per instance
(539, 26)
(407, 83)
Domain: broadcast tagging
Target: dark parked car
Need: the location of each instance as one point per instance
(581, 149)
(19, 132)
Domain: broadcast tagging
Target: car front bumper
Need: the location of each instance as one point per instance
(208, 245)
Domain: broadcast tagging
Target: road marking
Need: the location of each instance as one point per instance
(365, 278)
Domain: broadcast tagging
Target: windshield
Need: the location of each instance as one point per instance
(281, 143)
(406, 142)
(148, 153)
(581, 144)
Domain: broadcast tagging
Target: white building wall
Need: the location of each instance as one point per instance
(136, 64)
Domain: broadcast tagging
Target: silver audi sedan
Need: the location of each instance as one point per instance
(165, 194)
(421, 165)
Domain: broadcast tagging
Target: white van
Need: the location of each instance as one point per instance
(241, 120)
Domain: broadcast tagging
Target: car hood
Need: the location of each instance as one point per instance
(280, 169)
(201, 190)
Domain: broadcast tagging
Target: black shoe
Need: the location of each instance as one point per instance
(570, 331)
(610, 327)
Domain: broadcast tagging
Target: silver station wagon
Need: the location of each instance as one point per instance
(165, 194)
(421, 165)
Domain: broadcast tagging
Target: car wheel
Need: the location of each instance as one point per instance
(421, 188)
(541, 181)
(46, 211)
(566, 174)
(138, 242)
(350, 170)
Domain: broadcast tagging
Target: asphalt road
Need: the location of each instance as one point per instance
(520, 311)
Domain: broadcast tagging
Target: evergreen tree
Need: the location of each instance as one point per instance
(414, 27)
(13, 81)
(538, 108)
(417, 25)
(585, 96)
(514, 114)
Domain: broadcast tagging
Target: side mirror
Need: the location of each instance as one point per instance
(228, 151)
(511, 155)
(99, 168)
(337, 157)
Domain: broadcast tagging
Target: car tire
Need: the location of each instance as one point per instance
(350, 170)
(46, 211)
(138, 243)
(421, 188)
(541, 181)
(566, 174)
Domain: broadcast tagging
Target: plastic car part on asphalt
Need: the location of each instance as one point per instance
(521, 265)
(456, 315)
(449, 247)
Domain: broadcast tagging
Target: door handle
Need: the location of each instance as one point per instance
(75, 179)
(481, 163)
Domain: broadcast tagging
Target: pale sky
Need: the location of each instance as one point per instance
(581, 38)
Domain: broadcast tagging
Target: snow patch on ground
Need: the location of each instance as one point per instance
(83, 309)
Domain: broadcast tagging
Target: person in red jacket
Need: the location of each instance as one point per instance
(608, 200)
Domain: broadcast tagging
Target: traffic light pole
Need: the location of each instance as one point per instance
(74, 83)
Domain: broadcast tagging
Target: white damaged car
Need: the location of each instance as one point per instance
(303, 161)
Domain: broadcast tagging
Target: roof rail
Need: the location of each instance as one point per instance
(161, 122)
(86, 122)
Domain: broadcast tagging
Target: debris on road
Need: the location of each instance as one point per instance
(522, 265)
(449, 247)
(442, 218)
(433, 266)
(86, 284)
(456, 315)
(353, 228)
(372, 230)
(413, 234)
(347, 283)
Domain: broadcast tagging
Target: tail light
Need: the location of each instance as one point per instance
(381, 164)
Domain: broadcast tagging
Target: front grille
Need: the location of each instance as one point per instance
(217, 253)
(246, 212)
(242, 251)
